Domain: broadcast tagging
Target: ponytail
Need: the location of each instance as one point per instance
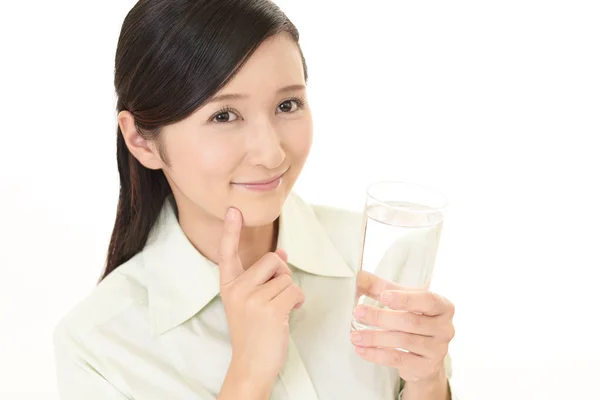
(171, 58)
(141, 196)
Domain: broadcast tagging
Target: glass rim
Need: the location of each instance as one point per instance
(444, 198)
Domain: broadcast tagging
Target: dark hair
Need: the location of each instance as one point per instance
(172, 57)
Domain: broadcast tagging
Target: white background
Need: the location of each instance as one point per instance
(494, 103)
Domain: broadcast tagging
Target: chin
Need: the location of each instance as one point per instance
(260, 212)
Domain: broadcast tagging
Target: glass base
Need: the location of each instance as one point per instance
(358, 326)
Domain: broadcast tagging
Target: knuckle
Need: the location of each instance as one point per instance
(285, 270)
(299, 291)
(370, 338)
(254, 303)
(398, 359)
(223, 255)
(283, 265)
(450, 333)
(412, 340)
(362, 282)
(443, 351)
(411, 320)
(271, 311)
(374, 315)
(286, 280)
(233, 296)
(431, 300)
(272, 258)
(451, 309)
(402, 300)
(429, 367)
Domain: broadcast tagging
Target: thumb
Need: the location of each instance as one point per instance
(230, 266)
(282, 254)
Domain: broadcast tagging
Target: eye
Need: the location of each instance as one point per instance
(288, 105)
(223, 116)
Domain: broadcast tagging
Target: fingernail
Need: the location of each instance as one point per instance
(360, 311)
(356, 337)
(386, 297)
(230, 214)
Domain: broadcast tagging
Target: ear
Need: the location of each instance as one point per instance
(143, 150)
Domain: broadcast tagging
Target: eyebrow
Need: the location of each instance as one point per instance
(237, 96)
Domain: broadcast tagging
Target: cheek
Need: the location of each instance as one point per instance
(298, 142)
(202, 163)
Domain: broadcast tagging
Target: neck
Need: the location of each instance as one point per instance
(204, 231)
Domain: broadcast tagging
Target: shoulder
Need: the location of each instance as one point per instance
(337, 219)
(119, 293)
(344, 227)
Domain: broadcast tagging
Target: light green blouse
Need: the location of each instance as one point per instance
(156, 329)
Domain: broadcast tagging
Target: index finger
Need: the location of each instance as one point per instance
(424, 302)
(371, 285)
(230, 266)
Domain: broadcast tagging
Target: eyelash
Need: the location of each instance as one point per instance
(300, 101)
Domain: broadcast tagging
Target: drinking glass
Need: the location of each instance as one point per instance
(401, 232)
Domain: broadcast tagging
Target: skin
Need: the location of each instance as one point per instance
(418, 321)
(260, 141)
(266, 134)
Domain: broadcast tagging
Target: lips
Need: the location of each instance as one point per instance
(264, 185)
(262, 182)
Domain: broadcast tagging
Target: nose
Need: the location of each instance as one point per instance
(264, 146)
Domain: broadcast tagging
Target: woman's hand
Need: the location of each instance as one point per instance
(257, 304)
(419, 322)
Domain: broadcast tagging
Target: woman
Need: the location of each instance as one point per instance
(220, 282)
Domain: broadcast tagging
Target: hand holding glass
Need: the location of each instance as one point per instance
(402, 227)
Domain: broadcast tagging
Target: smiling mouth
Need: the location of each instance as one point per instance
(265, 184)
(264, 181)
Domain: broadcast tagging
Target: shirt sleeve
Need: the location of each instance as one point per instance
(77, 379)
(448, 366)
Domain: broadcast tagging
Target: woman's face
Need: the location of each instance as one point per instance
(218, 154)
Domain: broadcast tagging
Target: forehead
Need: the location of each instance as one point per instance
(275, 63)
